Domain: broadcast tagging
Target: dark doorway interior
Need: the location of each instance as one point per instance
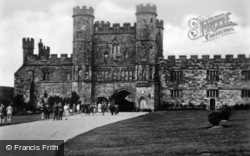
(120, 99)
(212, 104)
(101, 100)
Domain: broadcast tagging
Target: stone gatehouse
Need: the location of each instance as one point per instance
(125, 65)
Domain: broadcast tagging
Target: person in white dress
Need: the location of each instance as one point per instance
(99, 105)
(9, 110)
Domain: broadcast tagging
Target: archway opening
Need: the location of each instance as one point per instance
(102, 100)
(124, 99)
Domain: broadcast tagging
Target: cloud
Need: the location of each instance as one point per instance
(54, 26)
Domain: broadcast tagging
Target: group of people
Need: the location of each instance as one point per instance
(58, 111)
(101, 107)
(5, 112)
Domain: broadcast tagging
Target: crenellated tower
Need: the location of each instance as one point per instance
(146, 53)
(83, 31)
(146, 48)
(28, 48)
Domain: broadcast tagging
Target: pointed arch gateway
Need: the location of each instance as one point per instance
(125, 98)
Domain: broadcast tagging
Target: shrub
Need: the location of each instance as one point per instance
(214, 118)
(241, 107)
(18, 102)
(236, 107)
(225, 113)
(247, 106)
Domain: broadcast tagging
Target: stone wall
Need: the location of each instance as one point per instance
(147, 94)
(108, 89)
(29, 78)
(195, 83)
(104, 53)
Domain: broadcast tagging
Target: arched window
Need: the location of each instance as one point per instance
(116, 49)
(151, 20)
(46, 75)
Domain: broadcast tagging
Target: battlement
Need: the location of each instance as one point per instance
(148, 8)
(207, 57)
(159, 24)
(28, 43)
(84, 11)
(53, 59)
(205, 62)
(105, 28)
(62, 56)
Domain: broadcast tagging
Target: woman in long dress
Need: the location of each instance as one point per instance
(99, 107)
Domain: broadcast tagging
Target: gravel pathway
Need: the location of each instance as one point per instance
(62, 129)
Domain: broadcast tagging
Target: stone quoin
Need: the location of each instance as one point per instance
(125, 65)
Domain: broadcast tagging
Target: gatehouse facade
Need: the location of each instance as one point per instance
(125, 65)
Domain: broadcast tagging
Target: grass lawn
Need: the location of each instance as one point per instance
(22, 119)
(166, 133)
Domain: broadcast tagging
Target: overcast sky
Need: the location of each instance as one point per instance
(51, 21)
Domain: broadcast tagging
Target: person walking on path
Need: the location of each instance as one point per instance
(47, 111)
(78, 108)
(92, 108)
(83, 108)
(116, 109)
(1, 114)
(103, 108)
(60, 111)
(66, 111)
(42, 111)
(74, 109)
(99, 107)
(9, 111)
(55, 111)
(108, 108)
(112, 109)
(88, 109)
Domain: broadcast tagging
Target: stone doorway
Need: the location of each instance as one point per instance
(125, 100)
(212, 104)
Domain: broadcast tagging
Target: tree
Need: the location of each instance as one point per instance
(18, 102)
(74, 98)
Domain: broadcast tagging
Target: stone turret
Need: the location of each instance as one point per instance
(146, 22)
(141, 9)
(83, 31)
(28, 47)
(84, 11)
(43, 51)
(146, 34)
